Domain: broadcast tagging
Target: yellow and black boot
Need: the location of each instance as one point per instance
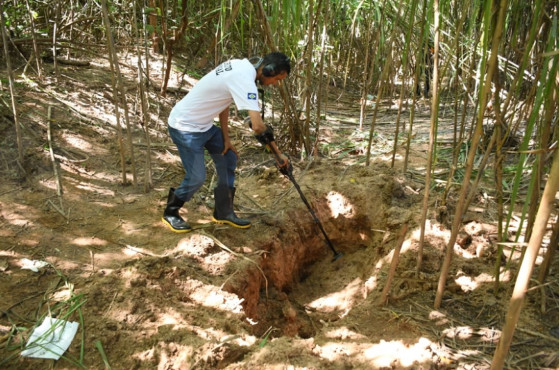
(171, 215)
(223, 211)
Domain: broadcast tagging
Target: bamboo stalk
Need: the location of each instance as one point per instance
(382, 85)
(394, 264)
(414, 99)
(432, 135)
(405, 64)
(148, 175)
(119, 94)
(551, 248)
(523, 279)
(52, 158)
(284, 87)
(12, 85)
(54, 34)
(321, 80)
(351, 34)
(308, 76)
(34, 36)
(492, 65)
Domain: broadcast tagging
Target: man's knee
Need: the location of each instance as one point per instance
(197, 182)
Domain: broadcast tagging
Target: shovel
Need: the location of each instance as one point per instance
(288, 172)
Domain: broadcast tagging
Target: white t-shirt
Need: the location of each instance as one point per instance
(233, 80)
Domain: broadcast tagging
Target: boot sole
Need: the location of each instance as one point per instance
(175, 230)
(231, 223)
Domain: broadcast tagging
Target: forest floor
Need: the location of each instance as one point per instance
(269, 297)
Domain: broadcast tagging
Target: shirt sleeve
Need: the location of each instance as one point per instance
(244, 92)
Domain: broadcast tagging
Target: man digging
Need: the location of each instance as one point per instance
(192, 130)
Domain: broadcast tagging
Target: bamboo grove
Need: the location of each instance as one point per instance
(492, 64)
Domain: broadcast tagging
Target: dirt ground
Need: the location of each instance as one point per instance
(269, 297)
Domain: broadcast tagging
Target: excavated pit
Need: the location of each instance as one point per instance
(272, 290)
(296, 274)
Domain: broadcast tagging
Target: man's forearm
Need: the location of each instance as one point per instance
(224, 123)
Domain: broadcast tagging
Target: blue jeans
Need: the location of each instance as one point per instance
(191, 147)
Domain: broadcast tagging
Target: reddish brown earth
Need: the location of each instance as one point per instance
(264, 298)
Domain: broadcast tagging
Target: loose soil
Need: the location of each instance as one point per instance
(269, 297)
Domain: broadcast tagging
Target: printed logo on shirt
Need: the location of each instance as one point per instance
(223, 67)
(251, 96)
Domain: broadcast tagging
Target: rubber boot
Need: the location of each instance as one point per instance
(223, 212)
(171, 215)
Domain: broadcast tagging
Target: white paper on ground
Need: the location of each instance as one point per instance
(51, 339)
(33, 265)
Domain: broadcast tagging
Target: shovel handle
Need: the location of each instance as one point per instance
(288, 171)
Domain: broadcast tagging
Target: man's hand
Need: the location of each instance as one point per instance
(282, 161)
(285, 166)
(266, 137)
(229, 146)
(224, 123)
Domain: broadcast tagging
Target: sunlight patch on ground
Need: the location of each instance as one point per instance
(379, 355)
(387, 157)
(131, 228)
(168, 157)
(166, 353)
(100, 190)
(14, 218)
(466, 332)
(77, 142)
(176, 320)
(174, 355)
(145, 356)
(468, 283)
(340, 205)
(211, 296)
(385, 353)
(49, 183)
(200, 248)
(128, 275)
(438, 317)
(339, 301)
(371, 284)
(88, 241)
(64, 294)
(463, 253)
(435, 229)
(9, 253)
(64, 264)
(194, 245)
(171, 317)
(344, 333)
